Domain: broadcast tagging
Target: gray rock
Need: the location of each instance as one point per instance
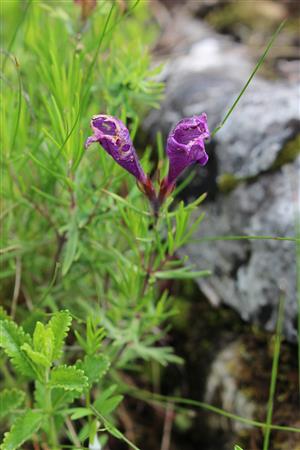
(255, 134)
(250, 276)
(222, 387)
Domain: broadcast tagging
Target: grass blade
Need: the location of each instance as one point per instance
(275, 363)
(11, 43)
(259, 63)
(151, 396)
(247, 238)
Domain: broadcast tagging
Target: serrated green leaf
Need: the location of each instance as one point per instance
(12, 338)
(61, 398)
(37, 357)
(94, 366)
(43, 340)
(22, 430)
(10, 399)
(68, 378)
(60, 324)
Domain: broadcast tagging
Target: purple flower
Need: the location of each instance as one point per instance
(185, 145)
(114, 137)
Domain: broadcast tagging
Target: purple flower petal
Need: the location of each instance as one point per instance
(185, 145)
(114, 137)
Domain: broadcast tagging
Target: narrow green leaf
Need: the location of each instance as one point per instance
(181, 274)
(125, 202)
(51, 198)
(10, 399)
(46, 168)
(68, 378)
(12, 338)
(71, 246)
(60, 324)
(144, 395)
(78, 413)
(22, 430)
(113, 430)
(276, 354)
(108, 405)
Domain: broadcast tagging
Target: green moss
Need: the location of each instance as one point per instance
(227, 182)
(289, 153)
(235, 14)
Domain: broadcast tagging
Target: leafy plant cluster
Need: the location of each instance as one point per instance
(56, 385)
(84, 263)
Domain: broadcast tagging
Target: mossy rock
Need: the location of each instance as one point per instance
(289, 153)
(227, 182)
(265, 15)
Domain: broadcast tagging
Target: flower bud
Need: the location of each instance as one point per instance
(114, 137)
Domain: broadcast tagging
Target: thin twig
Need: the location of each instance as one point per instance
(72, 432)
(35, 443)
(61, 240)
(27, 297)
(169, 417)
(45, 214)
(127, 422)
(149, 269)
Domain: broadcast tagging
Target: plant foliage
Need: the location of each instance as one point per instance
(77, 233)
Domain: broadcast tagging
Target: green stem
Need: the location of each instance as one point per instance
(152, 254)
(49, 409)
(88, 403)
